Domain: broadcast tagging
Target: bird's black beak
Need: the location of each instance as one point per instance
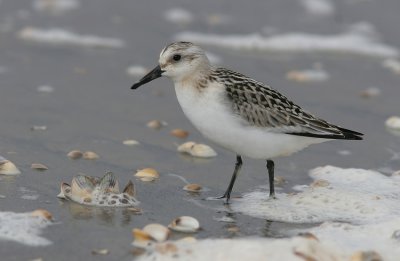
(154, 74)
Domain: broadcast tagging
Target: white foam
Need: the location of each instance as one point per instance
(57, 36)
(55, 6)
(359, 39)
(28, 194)
(23, 228)
(353, 195)
(178, 16)
(351, 238)
(318, 7)
(293, 249)
(392, 64)
(367, 201)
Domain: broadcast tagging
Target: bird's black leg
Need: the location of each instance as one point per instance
(270, 167)
(228, 191)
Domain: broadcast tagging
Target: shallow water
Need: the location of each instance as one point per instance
(92, 108)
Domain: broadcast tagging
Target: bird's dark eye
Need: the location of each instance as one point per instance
(176, 57)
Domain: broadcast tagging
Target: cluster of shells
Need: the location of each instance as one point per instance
(157, 233)
(192, 148)
(77, 154)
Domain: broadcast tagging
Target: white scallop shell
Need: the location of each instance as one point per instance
(158, 232)
(185, 224)
(197, 150)
(7, 167)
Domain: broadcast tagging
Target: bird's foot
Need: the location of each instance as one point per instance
(272, 196)
(226, 197)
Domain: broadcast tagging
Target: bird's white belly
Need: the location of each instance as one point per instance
(210, 113)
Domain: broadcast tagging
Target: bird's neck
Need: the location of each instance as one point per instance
(198, 78)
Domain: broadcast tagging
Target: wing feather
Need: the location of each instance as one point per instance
(261, 106)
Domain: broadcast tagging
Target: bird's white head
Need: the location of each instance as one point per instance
(178, 61)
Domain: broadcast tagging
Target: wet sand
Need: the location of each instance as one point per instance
(93, 108)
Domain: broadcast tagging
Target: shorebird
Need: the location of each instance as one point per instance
(239, 113)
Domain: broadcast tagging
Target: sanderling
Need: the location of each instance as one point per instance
(239, 113)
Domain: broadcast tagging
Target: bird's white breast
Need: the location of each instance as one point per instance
(209, 110)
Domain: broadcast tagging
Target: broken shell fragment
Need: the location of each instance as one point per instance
(185, 224)
(366, 256)
(147, 174)
(320, 183)
(7, 167)
(39, 128)
(370, 92)
(130, 142)
(312, 75)
(197, 150)
(308, 235)
(156, 124)
(188, 239)
(179, 133)
(157, 232)
(142, 239)
(39, 166)
(103, 251)
(42, 213)
(90, 155)
(166, 248)
(75, 154)
(393, 123)
(192, 188)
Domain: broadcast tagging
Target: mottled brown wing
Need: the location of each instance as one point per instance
(259, 105)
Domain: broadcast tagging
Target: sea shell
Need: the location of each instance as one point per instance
(45, 89)
(179, 133)
(90, 155)
(130, 142)
(39, 166)
(366, 256)
(142, 239)
(309, 235)
(188, 239)
(102, 252)
(42, 213)
(75, 154)
(185, 224)
(370, 92)
(320, 183)
(156, 124)
(197, 150)
(65, 189)
(7, 167)
(393, 123)
(102, 192)
(157, 232)
(192, 188)
(39, 128)
(312, 75)
(147, 174)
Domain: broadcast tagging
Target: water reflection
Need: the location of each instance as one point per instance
(106, 215)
